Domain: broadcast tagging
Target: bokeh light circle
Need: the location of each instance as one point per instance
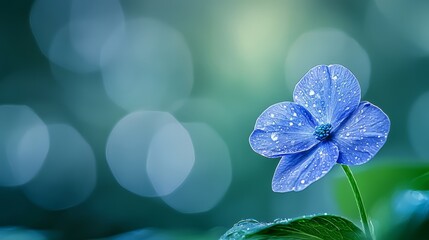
(418, 127)
(170, 158)
(68, 176)
(147, 65)
(47, 17)
(91, 26)
(24, 144)
(326, 46)
(139, 145)
(63, 54)
(71, 33)
(211, 176)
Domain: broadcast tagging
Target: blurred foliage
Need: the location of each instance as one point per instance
(396, 209)
(376, 184)
(409, 216)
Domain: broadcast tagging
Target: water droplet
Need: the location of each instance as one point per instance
(272, 115)
(290, 123)
(294, 114)
(274, 136)
(281, 220)
(311, 92)
(245, 222)
(302, 181)
(334, 77)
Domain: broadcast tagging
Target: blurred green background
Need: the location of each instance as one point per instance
(131, 115)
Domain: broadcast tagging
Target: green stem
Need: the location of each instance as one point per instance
(359, 201)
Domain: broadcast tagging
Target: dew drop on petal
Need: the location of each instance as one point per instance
(311, 92)
(274, 136)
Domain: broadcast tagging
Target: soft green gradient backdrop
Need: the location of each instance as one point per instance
(245, 56)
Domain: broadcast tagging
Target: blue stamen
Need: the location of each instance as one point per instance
(322, 131)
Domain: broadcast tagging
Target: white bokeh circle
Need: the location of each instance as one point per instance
(210, 177)
(145, 148)
(170, 158)
(68, 176)
(72, 33)
(24, 144)
(147, 65)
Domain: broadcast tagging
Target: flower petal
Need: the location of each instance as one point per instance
(361, 136)
(329, 93)
(296, 171)
(283, 128)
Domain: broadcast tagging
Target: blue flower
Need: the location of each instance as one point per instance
(326, 124)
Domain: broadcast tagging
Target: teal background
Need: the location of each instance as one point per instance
(245, 56)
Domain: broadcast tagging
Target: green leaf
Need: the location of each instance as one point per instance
(324, 227)
(420, 183)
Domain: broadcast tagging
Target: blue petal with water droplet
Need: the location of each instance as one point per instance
(283, 128)
(296, 171)
(329, 93)
(362, 135)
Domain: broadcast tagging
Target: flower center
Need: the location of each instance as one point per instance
(322, 131)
